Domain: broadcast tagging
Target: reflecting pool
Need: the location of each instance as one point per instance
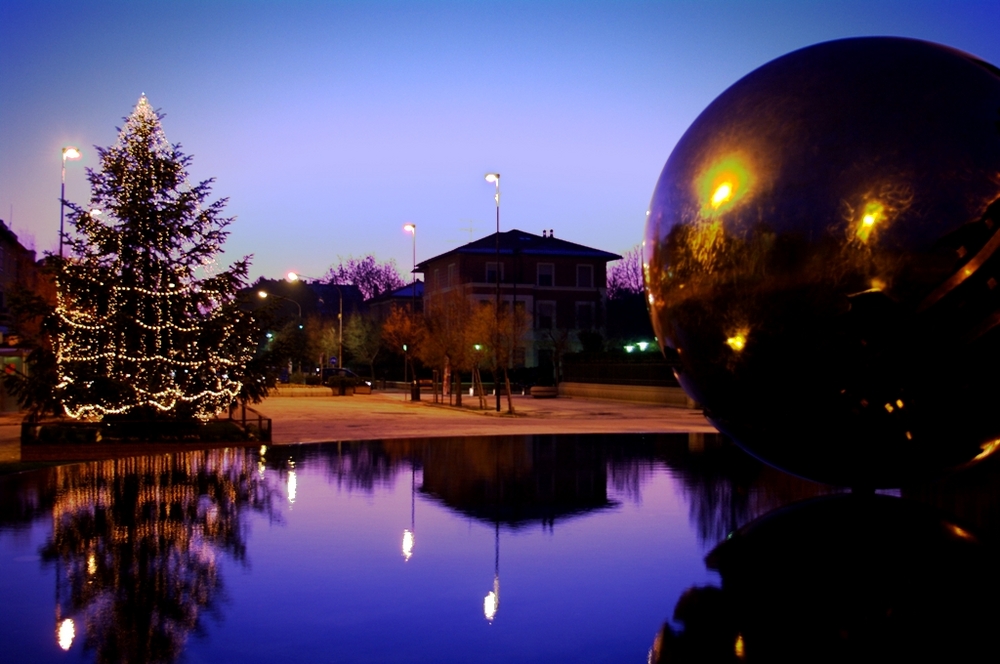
(537, 548)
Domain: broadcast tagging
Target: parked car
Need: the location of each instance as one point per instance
(345, 375)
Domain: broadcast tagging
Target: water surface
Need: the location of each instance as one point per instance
(537, 548)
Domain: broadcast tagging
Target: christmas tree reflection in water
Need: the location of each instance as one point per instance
(137, 542)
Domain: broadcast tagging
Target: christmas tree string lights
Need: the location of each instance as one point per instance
(141, 328)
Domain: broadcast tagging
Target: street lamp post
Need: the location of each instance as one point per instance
(412, 228)
(495, 179)
(71, 153)
(263, 294)
(295, 276)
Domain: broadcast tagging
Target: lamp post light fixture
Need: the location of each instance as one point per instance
(71, 153)
(263, 294)
(495, 179)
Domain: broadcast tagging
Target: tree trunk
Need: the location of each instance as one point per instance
(510, 398)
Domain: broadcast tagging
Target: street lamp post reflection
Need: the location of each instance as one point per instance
(408, 532)
(292, 482)
(71, 153)
(65, 633)
(491, 604)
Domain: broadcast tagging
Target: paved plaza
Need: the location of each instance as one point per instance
(382, 415)
(387, 415)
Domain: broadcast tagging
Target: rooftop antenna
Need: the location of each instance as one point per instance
(470, 229)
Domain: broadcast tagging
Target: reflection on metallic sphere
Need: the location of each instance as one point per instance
(843, 578)
(821, 252)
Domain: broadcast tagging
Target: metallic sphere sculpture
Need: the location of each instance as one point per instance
(821, 252)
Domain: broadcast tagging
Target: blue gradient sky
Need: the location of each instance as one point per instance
(331, 124)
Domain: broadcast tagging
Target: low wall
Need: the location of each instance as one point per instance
(667, 396)
(300, 391)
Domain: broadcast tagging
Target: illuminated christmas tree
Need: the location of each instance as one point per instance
(146, 325)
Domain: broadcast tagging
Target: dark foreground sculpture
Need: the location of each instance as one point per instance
(821, 252)
(843, 578)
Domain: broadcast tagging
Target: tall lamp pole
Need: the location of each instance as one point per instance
(295, 276)
(68, 152)
(412, 228)
(495, 179)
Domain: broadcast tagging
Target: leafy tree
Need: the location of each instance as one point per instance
(363, 340)
(371, 277)
(500, 338)
(625, 275)
(321, 339)
(146, 324)
(445, 343)
(402, 328)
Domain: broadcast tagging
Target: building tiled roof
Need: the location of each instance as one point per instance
(526, 244)
(401, 292)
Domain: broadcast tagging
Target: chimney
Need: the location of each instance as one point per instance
(552, 233)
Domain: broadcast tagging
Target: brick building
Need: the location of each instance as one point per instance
(562, 286)
(17, 270)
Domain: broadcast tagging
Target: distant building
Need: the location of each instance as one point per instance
(561, 285)
(405, 297)
(17, 270)
(314, 298)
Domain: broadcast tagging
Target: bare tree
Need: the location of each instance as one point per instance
(371, 277)
(625, 275)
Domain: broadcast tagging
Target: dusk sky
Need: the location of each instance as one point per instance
(329, 125)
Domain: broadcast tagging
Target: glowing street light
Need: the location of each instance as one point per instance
(263, 294)
(71, 153)
(494, 178)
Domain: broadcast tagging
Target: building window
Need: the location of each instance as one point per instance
(491, 272)
(546, 314)
(546, 274)
(437, 278)
(585, 276)
(452, 274)
(584, 315)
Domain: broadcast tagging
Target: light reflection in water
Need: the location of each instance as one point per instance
(65, 633)
(407, 543)
(492, 601)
